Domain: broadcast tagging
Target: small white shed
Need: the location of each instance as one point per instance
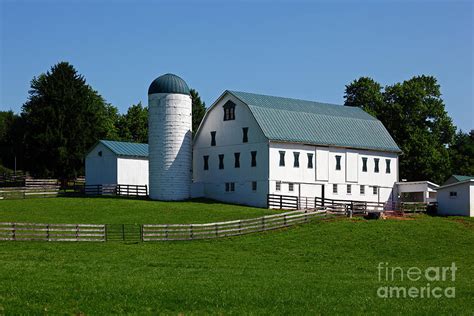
(417, 191)
(112, 162)
(457, 198)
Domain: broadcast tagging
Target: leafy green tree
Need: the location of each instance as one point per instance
(415, 115)
(199, 109)
(365, 93)
(133, 126)
(111, 118)
(462, 153)
(63, 118)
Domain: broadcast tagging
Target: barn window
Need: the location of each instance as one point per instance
(213, 138)
(453, 194)
(230, 186)
(376, 166)
(206, 162)
(387, 166)
(100, 153)
(237, 160)
(254, 185)
(364, 164)
(310, 161)
(254, 158)
(296, 162)
(338, 162)
(221, 161)
(282, 158)
(245, 134)
(375, 190)
(291, 187)
(229, 111)
(349, 189)
(278, 186)
(334, 188)
(362, 189)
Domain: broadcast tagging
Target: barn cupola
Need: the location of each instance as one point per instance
(169, 138)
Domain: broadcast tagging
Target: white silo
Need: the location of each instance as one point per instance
(169, 138)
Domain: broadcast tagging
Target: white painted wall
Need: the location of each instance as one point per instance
(325, 172)
(111, 169)
(426, 188)
(101, 169)
(462, 204)
(132, 171)
(211, 183)
(170, 146)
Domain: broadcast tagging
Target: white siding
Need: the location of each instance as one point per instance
(132, 171)
(229, 141)
(101, 169)
(326, 173)
(462, 204)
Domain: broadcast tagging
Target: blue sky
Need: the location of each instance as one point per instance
(307, 50)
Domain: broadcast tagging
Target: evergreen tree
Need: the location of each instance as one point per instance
(199, 109)
(63, 118)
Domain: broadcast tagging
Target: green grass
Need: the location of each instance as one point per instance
(323, 267)
(122, 211)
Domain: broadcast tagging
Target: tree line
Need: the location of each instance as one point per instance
(414, 113)
(64, 116)
(62, 119)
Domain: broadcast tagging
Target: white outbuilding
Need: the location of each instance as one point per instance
(417, 191)
(112, 162)
(456, 197)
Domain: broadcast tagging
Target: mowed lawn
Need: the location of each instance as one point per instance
(122, 211)
(326, 266)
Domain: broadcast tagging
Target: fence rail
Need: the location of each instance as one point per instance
(52, 232)
(170, 232)
(76, 188)
(277, 201)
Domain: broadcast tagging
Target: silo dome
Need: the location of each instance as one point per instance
(169, 139)
(169, 83)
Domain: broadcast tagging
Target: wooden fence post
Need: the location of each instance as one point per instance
(191, 231)
(281, 202)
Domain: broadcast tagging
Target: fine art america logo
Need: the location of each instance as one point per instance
(398, 282)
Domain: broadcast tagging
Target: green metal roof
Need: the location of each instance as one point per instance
(460, 178)
(126, 148)
(169, 83)
(300, 121)
(455, 178)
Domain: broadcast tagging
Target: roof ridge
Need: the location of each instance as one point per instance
(295, 99)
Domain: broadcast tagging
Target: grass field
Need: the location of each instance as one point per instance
(122, 211)
(322, 267)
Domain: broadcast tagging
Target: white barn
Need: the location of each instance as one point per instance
(250, 145)
(111, 162)
(456, 196)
